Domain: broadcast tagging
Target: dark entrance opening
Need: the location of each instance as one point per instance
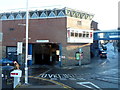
(45, 53)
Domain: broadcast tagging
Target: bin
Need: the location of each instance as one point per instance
(17, 75)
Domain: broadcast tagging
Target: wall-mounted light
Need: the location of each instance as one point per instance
(57, 52)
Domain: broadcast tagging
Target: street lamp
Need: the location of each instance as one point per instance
(26, 53)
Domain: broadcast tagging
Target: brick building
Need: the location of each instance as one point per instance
(0, 39)
(54, 35)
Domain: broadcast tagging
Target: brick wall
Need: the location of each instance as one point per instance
(52, 29)
(75, 23)
(0, 50)
(69, 53)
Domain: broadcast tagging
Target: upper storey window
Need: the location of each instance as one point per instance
(79, 22)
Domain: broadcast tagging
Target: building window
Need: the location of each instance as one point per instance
(91, 35)
(84, 34)
(79, 22)
(68, 33)
(87, 34)
(72, 34)
(76, 34)
(11, 29)
(80, 34)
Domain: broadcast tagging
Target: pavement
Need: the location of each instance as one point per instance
(36, 82)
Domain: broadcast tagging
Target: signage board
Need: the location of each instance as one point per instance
(42, 41)
(16, 73)
(29, 57)
(19, 48)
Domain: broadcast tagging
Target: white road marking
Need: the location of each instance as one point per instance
(85, 84)
(50, 75)
(59, 76)
(62, 76)
(53, 78)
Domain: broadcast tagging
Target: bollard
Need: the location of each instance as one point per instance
(16, 74)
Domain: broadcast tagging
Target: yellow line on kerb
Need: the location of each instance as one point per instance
(58, 83)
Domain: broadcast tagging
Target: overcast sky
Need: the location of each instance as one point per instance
(106, 11)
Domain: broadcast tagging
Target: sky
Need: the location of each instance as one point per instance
(105, 11)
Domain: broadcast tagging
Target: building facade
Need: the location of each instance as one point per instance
(1, 39)
(54, 36)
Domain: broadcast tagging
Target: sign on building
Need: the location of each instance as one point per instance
(19, 48)
(42, 41)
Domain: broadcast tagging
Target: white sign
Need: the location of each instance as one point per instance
(19, 48)
(16, 73)
(42, 41)
(29, 57)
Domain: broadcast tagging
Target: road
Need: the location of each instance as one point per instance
(99, 75)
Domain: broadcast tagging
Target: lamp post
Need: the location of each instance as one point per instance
(26, 53)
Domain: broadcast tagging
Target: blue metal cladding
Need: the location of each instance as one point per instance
(30, 53)
(29, 49)
(108, 35)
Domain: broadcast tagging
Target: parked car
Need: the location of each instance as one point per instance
(103, 54)
(5, 61)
